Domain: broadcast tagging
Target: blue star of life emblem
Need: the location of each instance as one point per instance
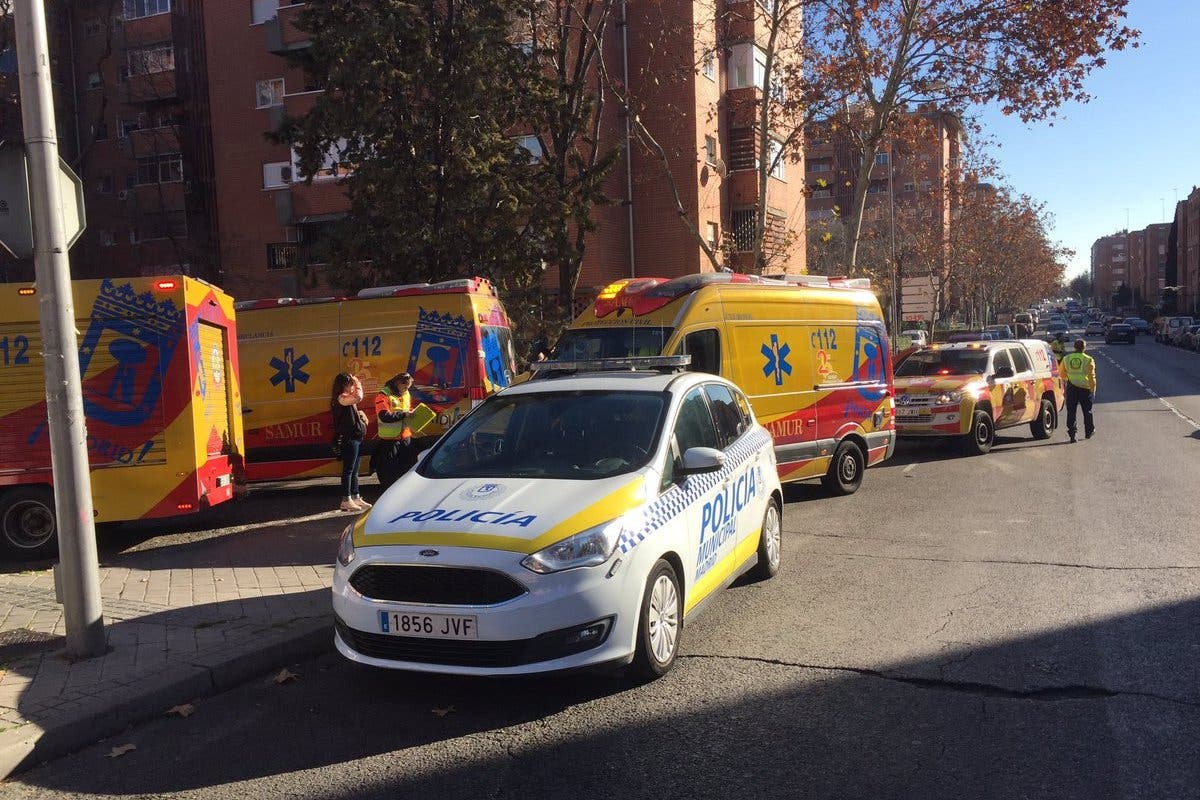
(776, 356)
(289, 369)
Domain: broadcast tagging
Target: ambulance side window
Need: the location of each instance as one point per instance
(1020, 360)
(728, 416)
(705, 349)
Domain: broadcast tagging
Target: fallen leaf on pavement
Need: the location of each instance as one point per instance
(285, 675)
(122, 750)
(442, 712)
(185, 710)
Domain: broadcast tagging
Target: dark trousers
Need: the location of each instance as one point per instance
(1077, 396)
(350, 453)
(392, 459)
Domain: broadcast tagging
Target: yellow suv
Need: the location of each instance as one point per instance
(970, 390)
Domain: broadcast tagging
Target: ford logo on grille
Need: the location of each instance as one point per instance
(428, 553)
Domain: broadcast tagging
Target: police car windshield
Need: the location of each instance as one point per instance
(557, 435)
(943, 362)
(589, 344)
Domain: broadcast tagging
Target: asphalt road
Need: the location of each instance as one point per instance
(1020, 625)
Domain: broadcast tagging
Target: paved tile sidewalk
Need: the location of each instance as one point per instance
(174, 633)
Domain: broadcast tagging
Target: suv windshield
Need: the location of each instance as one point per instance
(585, 344)
(563, 435)
(943, 362)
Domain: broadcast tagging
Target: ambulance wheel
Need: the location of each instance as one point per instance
(660, 624)
(770, 543)
(982, 436)
(845, 473)
(1046, 421)
(28, 529)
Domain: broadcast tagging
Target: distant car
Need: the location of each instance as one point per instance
(1191, 338)
(1094, 329)
(1120, 332)
(1076, 318)
(919, 338)
(1003, 331)
(1055, 328)
(1138, 324)
(1177, 327)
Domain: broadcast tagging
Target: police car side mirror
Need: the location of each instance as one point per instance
(699, 460)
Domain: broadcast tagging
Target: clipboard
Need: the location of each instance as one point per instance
(420, 417)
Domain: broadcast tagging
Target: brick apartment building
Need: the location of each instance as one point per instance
(1154, 260)
(1110, 267)
(165, 107)
(916, 172)
(1187, 251)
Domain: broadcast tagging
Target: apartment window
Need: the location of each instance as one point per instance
(531, 145)
(136, 9)
(926, 186)
(92, 27)
(769, 6)
(269, 93)
(710, 149)
(708, 65)
(100, 131)
(820, 165)
(263, 10)
(160, 225)
(131, 180)
(909, 186)
(282, 256)
(167, 168)
(331, 165)
(1162, 249)
(104, 184)
(743, 229)
(107, 239)
(168, 118)
(276, 175)
(775, 158)
(125, 126)
(881, 159)
(149, 60)
(122, 73)
(749, 66)
(94, 81)
(714, 235)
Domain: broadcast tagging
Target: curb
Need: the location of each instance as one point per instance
(99, 718)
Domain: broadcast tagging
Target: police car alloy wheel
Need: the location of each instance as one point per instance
(770, 544)
(660, 625)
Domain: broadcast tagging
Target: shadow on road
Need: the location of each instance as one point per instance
(1043, 716)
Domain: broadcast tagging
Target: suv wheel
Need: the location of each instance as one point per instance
(983, 434)
(1046, 422)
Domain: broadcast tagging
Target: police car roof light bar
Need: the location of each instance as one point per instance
(657, 363)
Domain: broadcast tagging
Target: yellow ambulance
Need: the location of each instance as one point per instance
(160, 395)
(452, 337)
(810, 352)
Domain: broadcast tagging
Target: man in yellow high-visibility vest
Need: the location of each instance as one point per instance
(393, 406)
(1079, 376)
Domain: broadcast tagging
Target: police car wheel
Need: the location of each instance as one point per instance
(28, 528)
(660, 624)
(770, 544)
(845, 473)
(1046, 421)
(983, 434)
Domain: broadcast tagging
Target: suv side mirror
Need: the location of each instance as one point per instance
(1003, 371)
(698, 460)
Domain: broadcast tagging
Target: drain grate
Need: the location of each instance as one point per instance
(21, 642)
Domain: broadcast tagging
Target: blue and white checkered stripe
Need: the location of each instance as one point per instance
(670, 505)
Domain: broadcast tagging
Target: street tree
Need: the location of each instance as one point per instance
(878, 58)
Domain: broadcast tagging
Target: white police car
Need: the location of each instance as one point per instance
(578, 519)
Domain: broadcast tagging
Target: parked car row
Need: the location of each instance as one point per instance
(1174, 330)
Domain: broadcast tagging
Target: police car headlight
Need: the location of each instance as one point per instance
(588, 548)
(345, 551)
(948, 397)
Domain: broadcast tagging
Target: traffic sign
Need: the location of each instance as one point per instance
(16, 221)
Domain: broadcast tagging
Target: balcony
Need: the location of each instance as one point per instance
(159, 196)
(301, 203)
(147, 30)
(151, 141)
(283, 36)
(294, 105)
(152, 87)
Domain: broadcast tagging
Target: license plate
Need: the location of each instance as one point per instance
(428, 626)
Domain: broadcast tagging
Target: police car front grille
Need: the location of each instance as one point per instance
(450, 586)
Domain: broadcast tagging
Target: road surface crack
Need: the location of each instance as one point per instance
(1019, 563)
(1071, 691)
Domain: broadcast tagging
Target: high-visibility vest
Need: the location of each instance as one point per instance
(393, 402)
(1078, 369)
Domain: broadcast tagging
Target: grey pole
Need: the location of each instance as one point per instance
(64, 392)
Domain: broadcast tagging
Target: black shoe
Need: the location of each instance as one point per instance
(1072, 440)
(1089, 435)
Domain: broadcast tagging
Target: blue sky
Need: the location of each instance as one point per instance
(1131, 147)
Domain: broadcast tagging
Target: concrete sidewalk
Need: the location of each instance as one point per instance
(187, 615)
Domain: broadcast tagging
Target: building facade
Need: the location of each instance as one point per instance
(171, 105)
(1110, 268)
(1154, 259)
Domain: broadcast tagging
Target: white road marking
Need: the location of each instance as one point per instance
(910, 469)
(1169, 405)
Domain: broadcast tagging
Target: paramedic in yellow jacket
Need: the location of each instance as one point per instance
(393, 406)
(1079, 376)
